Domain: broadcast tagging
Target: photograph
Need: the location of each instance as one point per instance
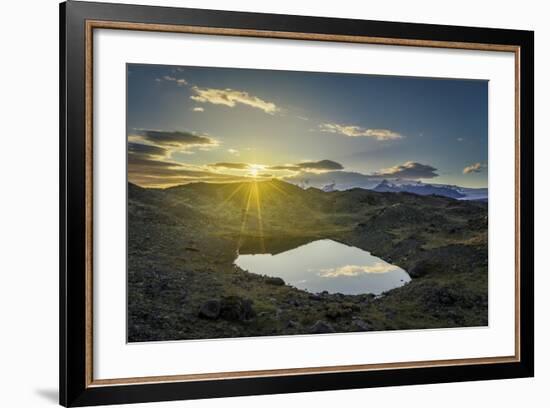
(270, 202)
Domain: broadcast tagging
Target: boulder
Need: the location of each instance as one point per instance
(360, 325)
(292, 324)
(336, 311)
(235, 308)
(321, 327)
(210, 309)
(421, 268)
(272, 280)
(294, 302)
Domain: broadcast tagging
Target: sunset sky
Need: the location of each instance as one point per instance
(189, 124)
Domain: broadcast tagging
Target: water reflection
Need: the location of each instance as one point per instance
(327, 265)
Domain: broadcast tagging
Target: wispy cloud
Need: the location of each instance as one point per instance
(474, 168)
(231, 97)
(409, 170)
(198, 109)
(358, 131)
(233, 166)
(145, 150)
(321, 165)
(172, 140)
(169, 78)
(356, 270)
(233, 152)
(158, 173)
(150, 163)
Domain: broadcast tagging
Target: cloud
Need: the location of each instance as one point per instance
(151, 172)
(343, 179)
(233, 151)
(146, 150)
(178, 81)
(150, 163)
(409, 170)
(356, 270)
(358, 131)
(321, 165)
(173, 140)
(474, 168)
(459, 139)
(234, 166)
(231, 97)
(291, 167)
(198, 109)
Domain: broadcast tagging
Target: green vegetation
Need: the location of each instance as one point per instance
(182, 243)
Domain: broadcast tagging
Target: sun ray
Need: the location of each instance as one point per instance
(276, 187)
(244, 215)
(230, 196)
(259, 214)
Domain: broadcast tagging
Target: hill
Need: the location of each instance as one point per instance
(182, 242)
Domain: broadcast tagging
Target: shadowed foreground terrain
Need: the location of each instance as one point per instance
(182, 242)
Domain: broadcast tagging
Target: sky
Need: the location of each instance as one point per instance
(188, 124)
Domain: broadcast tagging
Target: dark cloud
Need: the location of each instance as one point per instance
(285, 167)
(145, 150)
(158, 173)
(137, 160)
(321, 165)
(409, 170)
(235, 166)
(175, 139)
(318, 165)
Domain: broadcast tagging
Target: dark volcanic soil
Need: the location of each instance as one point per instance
(182, 283)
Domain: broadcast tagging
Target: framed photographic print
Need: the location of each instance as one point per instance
(255, 204)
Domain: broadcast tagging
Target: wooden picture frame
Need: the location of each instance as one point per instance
(78, 20)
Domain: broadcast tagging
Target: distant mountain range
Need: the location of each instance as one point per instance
(342, 180)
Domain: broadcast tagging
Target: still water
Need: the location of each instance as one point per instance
(328, 265)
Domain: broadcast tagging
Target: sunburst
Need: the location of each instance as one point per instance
(253, 199)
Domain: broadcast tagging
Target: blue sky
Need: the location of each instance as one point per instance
(189, 124)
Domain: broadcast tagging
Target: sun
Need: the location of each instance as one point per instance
(255, 169)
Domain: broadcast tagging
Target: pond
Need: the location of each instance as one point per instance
(327, 265)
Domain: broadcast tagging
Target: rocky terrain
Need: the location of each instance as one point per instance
(182, 242)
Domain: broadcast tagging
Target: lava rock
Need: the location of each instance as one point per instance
(291, 324)
(361, 325)
(294, 302)
(321, 327)
(337, 311)
(210, 309)
(275, 281)
(235, 308)
(420, 269)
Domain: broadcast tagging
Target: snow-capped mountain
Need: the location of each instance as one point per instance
(342, 180)
(420, 189)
